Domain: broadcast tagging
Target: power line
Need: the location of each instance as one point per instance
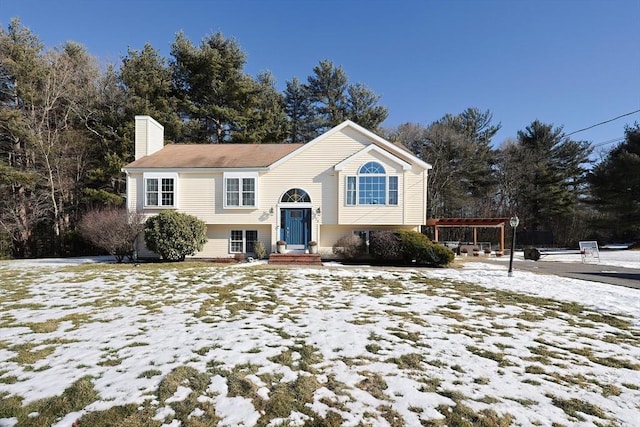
(601, 123)
(610, 141)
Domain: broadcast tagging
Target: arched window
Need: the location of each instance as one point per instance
(372, 186)
(295, 195)
(371, 168)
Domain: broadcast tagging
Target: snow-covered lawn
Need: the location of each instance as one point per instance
(195, 344)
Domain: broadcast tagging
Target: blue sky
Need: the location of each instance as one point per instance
(573, 63)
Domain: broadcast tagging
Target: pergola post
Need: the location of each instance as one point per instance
(475, 236)
(502, 237)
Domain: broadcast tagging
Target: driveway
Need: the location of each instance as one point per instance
(613, 275)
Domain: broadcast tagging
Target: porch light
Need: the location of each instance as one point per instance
(271, 210)
(318, 211)
(513, 222)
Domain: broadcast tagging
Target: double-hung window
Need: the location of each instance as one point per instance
(242, 241)
(372, 186)
(160, 190)
(240, 189)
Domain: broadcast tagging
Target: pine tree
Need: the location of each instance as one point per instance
(615, 189)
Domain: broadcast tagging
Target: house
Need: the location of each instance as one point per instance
(347, 180)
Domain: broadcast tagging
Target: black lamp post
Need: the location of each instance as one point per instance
(513, 222)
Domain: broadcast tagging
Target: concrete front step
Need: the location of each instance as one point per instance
(292, 258)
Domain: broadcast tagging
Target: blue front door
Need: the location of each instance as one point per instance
(296, 227)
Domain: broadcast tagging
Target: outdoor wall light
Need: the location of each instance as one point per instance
(271, 210)
(318, 211)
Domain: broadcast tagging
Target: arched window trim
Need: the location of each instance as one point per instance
(372, 168)
(371, 186)
(290, 195)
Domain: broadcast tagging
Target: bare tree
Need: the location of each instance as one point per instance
(112, 229)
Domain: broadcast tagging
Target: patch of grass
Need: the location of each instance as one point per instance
(391, 416)
(374, 384)
(287, 397)
(131, 415)
(631, 386)
(189, 377)
(573, 407)
(28, 354)
(407, 361)
(44, 327)
(45, 412)
(150, 373)
(373, 348)
(10, 406)
(610, 390)
(610, 320)
(9, 379)
(533, 369)
(482, 380)
(405, 335)
(461, 415)
(498, 357)
(451, 315)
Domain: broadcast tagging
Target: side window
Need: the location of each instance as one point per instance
(240, 189)
(242, 241)
(160, 189)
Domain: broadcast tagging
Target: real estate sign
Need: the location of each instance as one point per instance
(589, 251)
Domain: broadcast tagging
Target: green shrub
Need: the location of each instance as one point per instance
(416, 247)
(349, 247)
(174, 235)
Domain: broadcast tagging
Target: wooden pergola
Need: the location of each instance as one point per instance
(473, 223)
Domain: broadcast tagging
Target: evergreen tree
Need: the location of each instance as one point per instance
(148, 84)
(550, 180)
(362, 107)
(615, 189)
(215, 94)
(462, 182)
(266, 121)
(327, 90)
(299, 110)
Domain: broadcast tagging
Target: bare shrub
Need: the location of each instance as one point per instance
(386, 245)
(350, 246)
(112, 229)
(259, 250)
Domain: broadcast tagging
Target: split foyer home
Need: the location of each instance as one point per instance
(347, 180)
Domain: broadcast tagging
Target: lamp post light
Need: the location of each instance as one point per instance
(513, 222)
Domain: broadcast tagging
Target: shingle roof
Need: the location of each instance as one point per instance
(215, 156)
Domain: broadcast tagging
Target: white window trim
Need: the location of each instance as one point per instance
(244, 240)
(159, 176)
(240, 175)
(386, 198)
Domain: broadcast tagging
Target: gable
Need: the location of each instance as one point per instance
(373, 149)
(357, 133)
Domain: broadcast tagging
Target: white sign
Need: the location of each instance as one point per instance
(589, 250)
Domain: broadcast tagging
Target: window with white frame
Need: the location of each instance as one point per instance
(240, 189)
(160, 190)
(242, 241)
(372, 186)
